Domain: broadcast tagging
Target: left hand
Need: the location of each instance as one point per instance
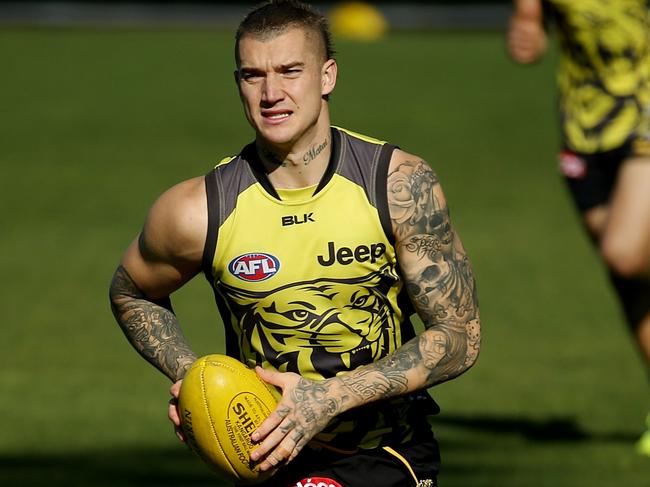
(172, 410)
(306, 407)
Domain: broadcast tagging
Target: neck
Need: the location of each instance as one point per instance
(302, 165)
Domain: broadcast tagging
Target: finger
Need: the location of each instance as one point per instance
(175, 389)
(276, 458)
(286, 451)
(271, 423)
(273, 440)
(179, 434)
(270, 376)
(174, 417)
(172, 412)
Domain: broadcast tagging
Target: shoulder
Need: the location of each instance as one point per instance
(400, 157)
(405, 166)
(183, 203)
(176, 224)
(416, 202)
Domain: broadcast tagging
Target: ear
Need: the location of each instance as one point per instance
(328, 76)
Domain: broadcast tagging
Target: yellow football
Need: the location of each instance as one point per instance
(221, 403)
(358, 21)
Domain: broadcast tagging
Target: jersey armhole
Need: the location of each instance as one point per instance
(381, 190)
(212, 194)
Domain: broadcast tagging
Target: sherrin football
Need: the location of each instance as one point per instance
(221, 402)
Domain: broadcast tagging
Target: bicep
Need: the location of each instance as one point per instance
(168, 251)
(155, 277)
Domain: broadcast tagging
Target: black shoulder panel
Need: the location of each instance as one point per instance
(365, 162)
(212, 193)
(381, 190)
(223, 185)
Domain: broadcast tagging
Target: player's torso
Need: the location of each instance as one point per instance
(604, 75)
(309, 280)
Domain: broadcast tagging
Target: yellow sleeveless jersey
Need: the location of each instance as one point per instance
(604, 73)
(307, 280)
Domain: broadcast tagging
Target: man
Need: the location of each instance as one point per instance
(309, 237)
(604, 102)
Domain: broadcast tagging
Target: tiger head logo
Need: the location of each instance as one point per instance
(324, 325)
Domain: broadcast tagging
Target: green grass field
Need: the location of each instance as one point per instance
(95, 124)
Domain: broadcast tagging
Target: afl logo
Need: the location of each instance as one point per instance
(254, 267)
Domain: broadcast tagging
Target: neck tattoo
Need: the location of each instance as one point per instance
(311, 154)
(273, 158)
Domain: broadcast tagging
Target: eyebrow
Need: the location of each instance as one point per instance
(295, 64)
(281, 68)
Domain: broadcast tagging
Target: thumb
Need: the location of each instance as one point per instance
(270, 376)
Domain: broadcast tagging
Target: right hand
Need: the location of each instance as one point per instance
(173, 412)
(527, 39)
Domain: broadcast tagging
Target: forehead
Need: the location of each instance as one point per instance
(290, 45)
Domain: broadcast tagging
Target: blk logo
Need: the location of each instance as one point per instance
(297, 219)
(254, 267)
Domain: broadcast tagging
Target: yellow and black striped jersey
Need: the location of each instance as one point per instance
(604, 72)
(307, 280)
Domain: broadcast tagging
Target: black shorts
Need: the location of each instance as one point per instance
(410, 465)
(591, 177)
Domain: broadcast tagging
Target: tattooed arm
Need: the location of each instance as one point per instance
(438, 277)
(166, 254)
(440, 282)
(150, 326)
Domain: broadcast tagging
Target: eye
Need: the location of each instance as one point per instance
(360, 301)
(250, 76)
(300, 315)
(431, 273)
(292, 72)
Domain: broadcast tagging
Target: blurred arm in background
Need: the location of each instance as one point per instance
(527, 39)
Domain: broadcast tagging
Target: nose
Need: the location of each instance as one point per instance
(272, 91)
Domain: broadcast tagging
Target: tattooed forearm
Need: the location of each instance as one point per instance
(439, 280)
(151, 327)
(435, 356)
(385, 378)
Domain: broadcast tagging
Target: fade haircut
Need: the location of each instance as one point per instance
(273, 17)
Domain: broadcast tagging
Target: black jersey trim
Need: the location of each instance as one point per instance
(381, 190)
(249, 153)
(332, 165)
(212, 194)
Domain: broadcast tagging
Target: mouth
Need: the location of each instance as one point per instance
(364, 348)
(276, 116)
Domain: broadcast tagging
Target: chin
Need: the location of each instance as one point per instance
(277, 135)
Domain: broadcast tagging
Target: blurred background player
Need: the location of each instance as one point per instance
(604, 105)
(313, 238)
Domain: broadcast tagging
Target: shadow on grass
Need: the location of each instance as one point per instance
(148, 467)
(124, 468)
(515, 451)
(561, 429)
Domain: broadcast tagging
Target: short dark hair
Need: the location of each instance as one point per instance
(273, 17)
